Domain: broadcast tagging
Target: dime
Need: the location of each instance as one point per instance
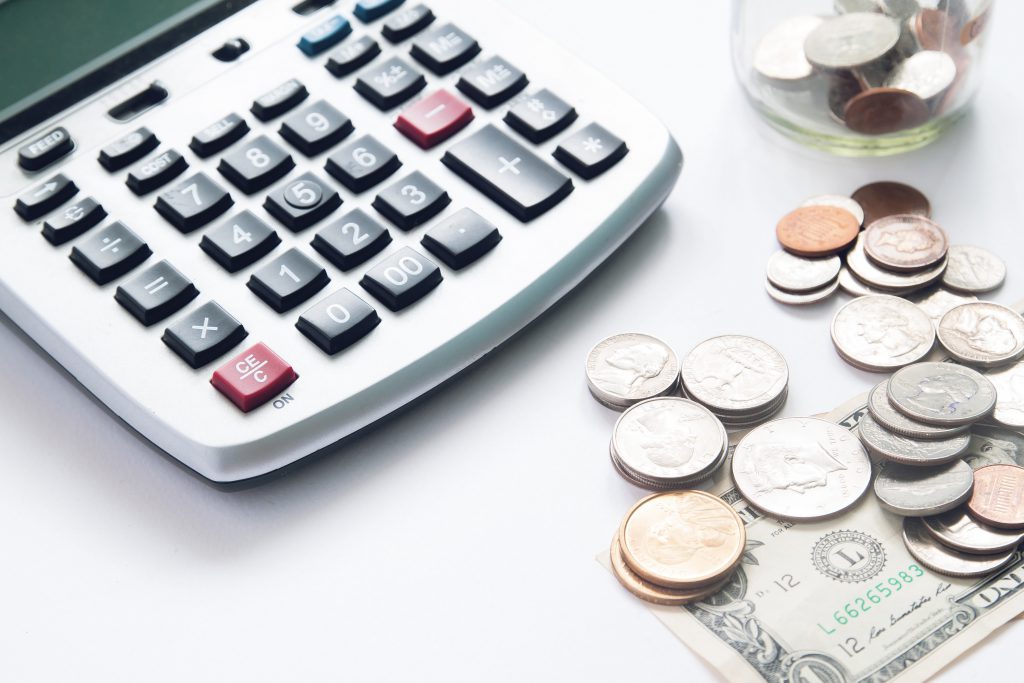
(880, 333)
(894, 421)
(973, 269)
(682, 539)
(1009, 384)
(937, 302)
(780, 54)
(994, 446)
(797, 274)
(851, 40)
(983, 333)
(651, 592)
(923, 491)
(628, 368)
(927, 74)
(894, 283)
(956, 529)
(907, 451)
(838, 201)
(734, 374)
(998, 497)
(803, 298)
(878, 111)
(944, 394)
(905, 242)
(801, 469)
(937, 557)
(888, 198)
(817, 230)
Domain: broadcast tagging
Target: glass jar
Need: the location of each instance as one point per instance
(860, 77)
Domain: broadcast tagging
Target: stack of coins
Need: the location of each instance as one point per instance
(678, 547)
(625, 369)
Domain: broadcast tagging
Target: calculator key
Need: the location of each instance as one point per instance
(156, 293)
(325, 35)
(402, 278)
(351, 240)
(362, 163)
(204, 334)
(434, 119)
(219, 135)
(45, 197)
(110, 253)
(231, 49)
(156, 172)
(316, 128)
(288, 280)
(256, 164)
(279, 100)
(46, 149)
(193, 203)
(128, 149)
(590, 151)
(508, 173)
(461, 238)
(253, 377)
(302, 202)
(73, 221)
(368, 10)
(444, 49)
(338, 321)
(407, 23)
(411, 201)
(390, 83)
(352, 55)
(240, 241)
(540, 116)
(491, 82)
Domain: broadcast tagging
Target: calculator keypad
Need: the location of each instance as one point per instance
(407, 23)
(351, 55)
(402, 279)
(45, 197)
(444, 49)
(284, 97)
(316, 128)
(204, 334)
(288, 280)
(411, 201)
(256, 164)
(434, 119)
(253, 377)
(591, 151)
(461, 238)
(110, 253)
(540, 116)
(338, 321)
(302, 202)
(390, 83)
(156, 172)
(73, 221)
(491, 82)
(128, 149)
(362, 163)
(351, 240)
(219, 135)
(193, 203)
(156, 293)
(325, 35)
(240, 241)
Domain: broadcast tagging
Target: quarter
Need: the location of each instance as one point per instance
(943, 394)
(893, 420)
(927, 74)
(628, 368)
(734, 374)
(880, 333)
(851, 40)
(803, 298)
(958, 530)
(998, 497)
(923, 491)
(983, 333)
(936, 302)
(797, 274)
(973, 269)
(937, 557)
(907, 451)
(1009, 384)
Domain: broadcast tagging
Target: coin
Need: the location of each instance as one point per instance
(880, 333)
(801, 469)
(994, 446)
(1009, 384)
(998, 497)
(894, 421)
(879, 111)
(937, 557)
(894, 283)
(628, 368)
(838, 201)
(936, 302)
(889, 198)
(817, 230)
(973, 28)
(973, 269)
(849, 283)
(934, 29)
(841, 89)
(907, 451)
(944, 394)
(922, 491)
(803, 298)
(956, 529)
(927, 74)
(851, 40)
(779, 55)
(905, 242)
(652, 485)
(797, 274)
(734, 374)
(652, 592)
(983, 333)
(682, 539)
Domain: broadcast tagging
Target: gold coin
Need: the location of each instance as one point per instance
(651, 592)
(682, 539)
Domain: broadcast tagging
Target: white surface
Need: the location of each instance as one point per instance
(457, 542)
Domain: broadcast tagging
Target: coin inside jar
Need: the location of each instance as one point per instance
(973, 269)
(817, 230)
(851, 40)
(880, 333)
(628, 368)
(998, 497)
(956, 529)
(922, 491)
(878, 111)
(927, 74)
(983, 333)
(889, 198)
(779, 55)
(652, 592)
(944, 394)
(908, 451)
(937, 557)
(905, 242)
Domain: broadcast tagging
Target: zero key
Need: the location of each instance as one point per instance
(44, 198)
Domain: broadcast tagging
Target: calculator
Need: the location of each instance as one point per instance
(257, 228)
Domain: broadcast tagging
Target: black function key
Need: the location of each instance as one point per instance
(131, 147)
(193, 203)
(46, 149)
(352, 55)
(156, 293)
(444, 49)
(302, 202)
(316, 128)
(288, 280)
(390, 83)
(240, 241)
(590, 151)
(362, 163)
(338, 321)
(279, 100)
(219, 135)
(411, 201)
(402, 278)
(204, 334)
(351, 240)
(508, 173)
(45, 197)
(232, 49)
(73, 221)
(461, 238)
(110, 253)
(407, 23)
(491, 82)
(156, 172)
(256, 164)
(540, 116)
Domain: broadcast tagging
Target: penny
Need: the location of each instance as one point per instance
(935, 29)
(944, 394)
(734, 374)
(797, 274)
(881, 333)
(976, 25)
(905, 242)
(879, 111)
(682, 539)
(652, 592)
(628, 368)
(937, 302)
(893, 283)
(1009, 384)
(803, 298)
(927, 74)
(896, 422)
(983, 333)
(780, 56)
(922, 491)
(937, 557)
(992, 445)
(973, 269)
(958, 530)
(998, 497)
(851, 40)
(838, 201)
(889, 198)
(817, 230)
(908, 451)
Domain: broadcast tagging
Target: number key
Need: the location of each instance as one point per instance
(256, 164)
(193, 203)
(411, 201)
(316, 128)
(240, 241)
(402, 278)
(362, 163)
(351, 240)
(338, 321)
(302, 202)
(288, 280)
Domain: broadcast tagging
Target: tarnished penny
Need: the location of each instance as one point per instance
(958, 530)
(998, 497)
(974, 28)
(889, 198)
(817, 230)
(905, 242)
(983, 333)
(973, 269)
(878, 111)
(652, 592)
(937, 557)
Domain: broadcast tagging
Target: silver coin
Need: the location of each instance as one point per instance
(799, 274)
(983, 333)
(882, 333)
(851, 40)
(958, 530)
(801, 469)
(937, 557)
(849, 283)
(905, 242)
(994, 446)
(803, 298)
(922, 491)
(936, 302)
(973, 269)
(894, 283)
(628, 368)
(927, 74)
(734, 374)
(840, 202)
(907, 451)
(942, 394)
(779, 55)
(1009, 384)
(895, 421)
(894, 8)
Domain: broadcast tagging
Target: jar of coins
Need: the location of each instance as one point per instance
(860, 77)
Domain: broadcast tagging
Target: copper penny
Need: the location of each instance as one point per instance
(888, 199)
(936, 30)
(878, 111)
(817, 230)
(652, 592)
(905, 242)
(975, 26)
(998, 497)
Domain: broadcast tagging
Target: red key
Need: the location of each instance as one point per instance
(253, 377)
(434, 118)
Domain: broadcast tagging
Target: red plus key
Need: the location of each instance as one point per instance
(434, 118)
(253, 377)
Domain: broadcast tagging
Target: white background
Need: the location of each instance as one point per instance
(457, 542)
